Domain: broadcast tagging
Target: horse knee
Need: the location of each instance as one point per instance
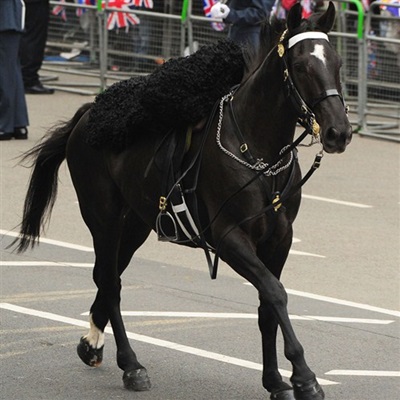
(274, 295)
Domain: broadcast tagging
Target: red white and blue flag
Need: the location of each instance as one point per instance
(117, 19)
(207, 5)
(143, 3)
(80, 11)
(60, 11)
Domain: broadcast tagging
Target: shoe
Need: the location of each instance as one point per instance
(38, 89)
(5, 136)
(20, 133)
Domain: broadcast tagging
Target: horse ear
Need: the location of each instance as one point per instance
(326, 21)
(294, 17)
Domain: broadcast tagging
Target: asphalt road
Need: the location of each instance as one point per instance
(342, 278)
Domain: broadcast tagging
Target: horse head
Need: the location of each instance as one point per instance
(312, 70)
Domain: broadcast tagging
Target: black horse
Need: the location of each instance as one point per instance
(239, 178)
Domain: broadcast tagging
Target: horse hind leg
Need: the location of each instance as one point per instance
(135, 232)
(90, 348)
(106, 306)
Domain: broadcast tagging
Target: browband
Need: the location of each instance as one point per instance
(306, 35)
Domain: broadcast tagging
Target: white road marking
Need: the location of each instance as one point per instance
(191, 314)
(356, 372)
(335, 201)
(290, 291)
(333, 300)
(157, 342)
(347, 303)
(44, 264)
(303, 253)
(51, 241)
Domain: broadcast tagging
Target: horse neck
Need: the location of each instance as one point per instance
(269, 121)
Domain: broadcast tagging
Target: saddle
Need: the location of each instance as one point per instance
(178, 219)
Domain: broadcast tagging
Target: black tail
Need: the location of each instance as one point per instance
(47, 157)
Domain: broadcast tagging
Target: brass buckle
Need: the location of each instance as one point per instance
(275, 201)
(162, 205)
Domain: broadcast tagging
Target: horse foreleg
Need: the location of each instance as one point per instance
(241, 255)
(271, 378)
(268, 325)
(305, 385)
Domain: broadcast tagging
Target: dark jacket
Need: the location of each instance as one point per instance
(245, 17)
(11, 15)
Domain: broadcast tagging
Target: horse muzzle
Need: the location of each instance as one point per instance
(336, 139)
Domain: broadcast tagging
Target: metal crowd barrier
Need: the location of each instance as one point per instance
(380, 110)
(81, 46)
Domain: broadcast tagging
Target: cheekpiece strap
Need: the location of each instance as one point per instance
(306, 35)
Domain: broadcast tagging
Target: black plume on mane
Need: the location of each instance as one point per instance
(180, 93)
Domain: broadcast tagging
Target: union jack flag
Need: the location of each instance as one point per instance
(207, 4)
(80, 11)
(143, 3)
(121, 19)
(60, 11)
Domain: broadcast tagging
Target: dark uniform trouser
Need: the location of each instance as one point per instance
(33, 41)
(13, 110)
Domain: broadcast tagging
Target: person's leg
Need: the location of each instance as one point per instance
(9, 41)
(33, 44)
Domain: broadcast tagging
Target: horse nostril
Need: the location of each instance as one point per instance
(331, 134)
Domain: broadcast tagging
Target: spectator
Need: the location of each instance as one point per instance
(245, 18)
(13, 110)
(33, 43)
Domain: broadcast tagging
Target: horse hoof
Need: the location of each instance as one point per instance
(89, 355)
(286, 394)
(137, 380)
(308, 391)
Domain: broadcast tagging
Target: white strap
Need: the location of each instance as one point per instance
(306, 35)
(179, 208)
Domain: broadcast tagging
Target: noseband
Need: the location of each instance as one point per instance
(306, 115)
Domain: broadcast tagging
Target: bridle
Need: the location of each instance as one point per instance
(304, 111)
